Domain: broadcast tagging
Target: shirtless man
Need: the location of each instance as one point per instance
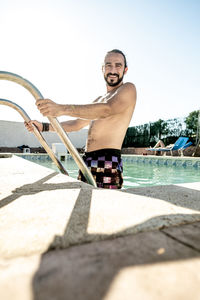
(108, 118)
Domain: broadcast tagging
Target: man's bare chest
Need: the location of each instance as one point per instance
(105, 98)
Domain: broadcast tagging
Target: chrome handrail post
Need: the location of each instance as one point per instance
(36, 132)
(56, 125)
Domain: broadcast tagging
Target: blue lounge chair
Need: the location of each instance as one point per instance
(179, 144)
(184, 147)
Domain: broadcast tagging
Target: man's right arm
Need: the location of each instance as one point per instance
(68, 126)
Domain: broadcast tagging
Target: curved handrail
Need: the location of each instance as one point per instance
(54, 122)
(36, 132)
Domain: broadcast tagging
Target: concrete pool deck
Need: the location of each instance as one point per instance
(63, 239)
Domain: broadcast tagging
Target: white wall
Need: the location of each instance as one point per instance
(14, 134)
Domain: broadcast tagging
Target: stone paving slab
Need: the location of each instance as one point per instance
(41, 209)
(149, 265)
(189, 235)
(185, 195)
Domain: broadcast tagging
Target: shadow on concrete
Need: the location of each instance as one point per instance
(36, 187)
(174, 194)
(87, 271)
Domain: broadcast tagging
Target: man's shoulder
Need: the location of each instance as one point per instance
(129, 85)
(128, 88)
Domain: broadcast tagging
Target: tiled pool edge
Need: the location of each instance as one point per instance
(150, 159)
(164, 160)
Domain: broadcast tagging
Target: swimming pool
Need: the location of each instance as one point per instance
(139, 171)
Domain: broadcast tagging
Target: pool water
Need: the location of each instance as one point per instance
(138, 174)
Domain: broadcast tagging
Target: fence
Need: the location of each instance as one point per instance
(148, 134)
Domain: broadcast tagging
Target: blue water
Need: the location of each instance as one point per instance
(137, 174)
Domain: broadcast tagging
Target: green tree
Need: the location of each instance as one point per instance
(159, 128)
(192, 122)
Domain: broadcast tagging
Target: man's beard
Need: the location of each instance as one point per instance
(111, 82)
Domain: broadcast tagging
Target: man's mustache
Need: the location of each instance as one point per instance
(112, 74)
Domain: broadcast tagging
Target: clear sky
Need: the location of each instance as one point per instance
(59, 45)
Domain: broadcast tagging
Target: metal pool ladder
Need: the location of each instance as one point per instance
(54, 122)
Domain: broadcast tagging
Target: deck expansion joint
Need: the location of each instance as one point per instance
(180, 241)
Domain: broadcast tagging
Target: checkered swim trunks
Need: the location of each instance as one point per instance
(106, 168)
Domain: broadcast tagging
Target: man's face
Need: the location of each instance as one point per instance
(114, 69)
